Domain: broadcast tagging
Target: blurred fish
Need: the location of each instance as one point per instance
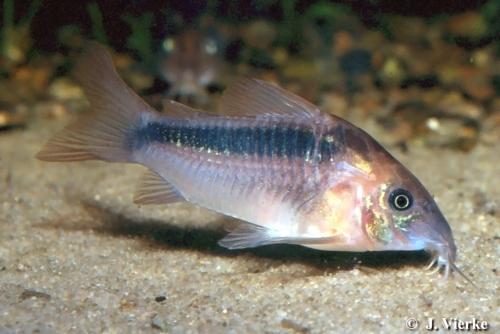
(192, 64)
(294, 174)
(436, 127)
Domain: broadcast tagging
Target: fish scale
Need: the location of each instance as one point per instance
(241, 180)
(291, 173)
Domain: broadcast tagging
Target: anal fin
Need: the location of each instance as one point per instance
(154, 189)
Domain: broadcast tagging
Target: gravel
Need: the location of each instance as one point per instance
(77, 256)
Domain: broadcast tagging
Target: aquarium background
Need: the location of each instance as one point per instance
(76, 255)
(427, 71)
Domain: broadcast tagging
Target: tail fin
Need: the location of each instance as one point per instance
(115, 108)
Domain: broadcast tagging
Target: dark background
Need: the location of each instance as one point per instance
(170, 16)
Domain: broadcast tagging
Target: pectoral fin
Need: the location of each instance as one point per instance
(249, 235)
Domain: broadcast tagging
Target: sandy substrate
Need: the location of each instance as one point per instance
(76, 255)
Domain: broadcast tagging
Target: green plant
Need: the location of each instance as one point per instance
(15, 37)
(98, 31)
(325, 15)
(140, 39)
(491, 14)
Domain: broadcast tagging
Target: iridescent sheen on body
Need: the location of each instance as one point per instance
(291, 173)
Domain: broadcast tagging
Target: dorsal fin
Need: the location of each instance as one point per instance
(252, 97)
(154, 189)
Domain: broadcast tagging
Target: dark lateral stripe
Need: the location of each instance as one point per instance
(332, 143)
(272, 141)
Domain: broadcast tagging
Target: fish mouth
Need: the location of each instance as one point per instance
(443, 251)
(437, 238)
(443, 260)
(434, 236)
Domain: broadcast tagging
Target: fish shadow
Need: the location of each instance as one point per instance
(156, 234)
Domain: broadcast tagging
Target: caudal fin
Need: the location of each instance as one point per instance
(115, 109)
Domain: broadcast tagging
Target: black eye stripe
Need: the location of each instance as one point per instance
(400, 199)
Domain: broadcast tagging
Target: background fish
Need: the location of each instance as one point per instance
(294, 174)
(193, 64)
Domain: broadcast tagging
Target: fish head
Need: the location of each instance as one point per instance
(191, 65)
(400, 214)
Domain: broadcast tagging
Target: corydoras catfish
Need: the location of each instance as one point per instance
(193, 64)
(293, 174)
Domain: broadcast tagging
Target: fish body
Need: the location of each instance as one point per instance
(291, 173)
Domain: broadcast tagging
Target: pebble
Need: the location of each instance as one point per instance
(160, 299)
(342, 42)
(138, 80)
(356, 62)
(13, 117)
(469, 24)
(481, 57)
(484, 204)
(294, 326)
(454, 102)
(29, 293)
(334, 103)
(259, 34)
(491, 127)
(51, 109)
(159, 323)
(392, 71)
(16, 42)
(409, 29)
(26, 83)
(437, 128)
(65, 89)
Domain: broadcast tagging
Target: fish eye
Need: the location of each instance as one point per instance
(400, 199)
(168, 45)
